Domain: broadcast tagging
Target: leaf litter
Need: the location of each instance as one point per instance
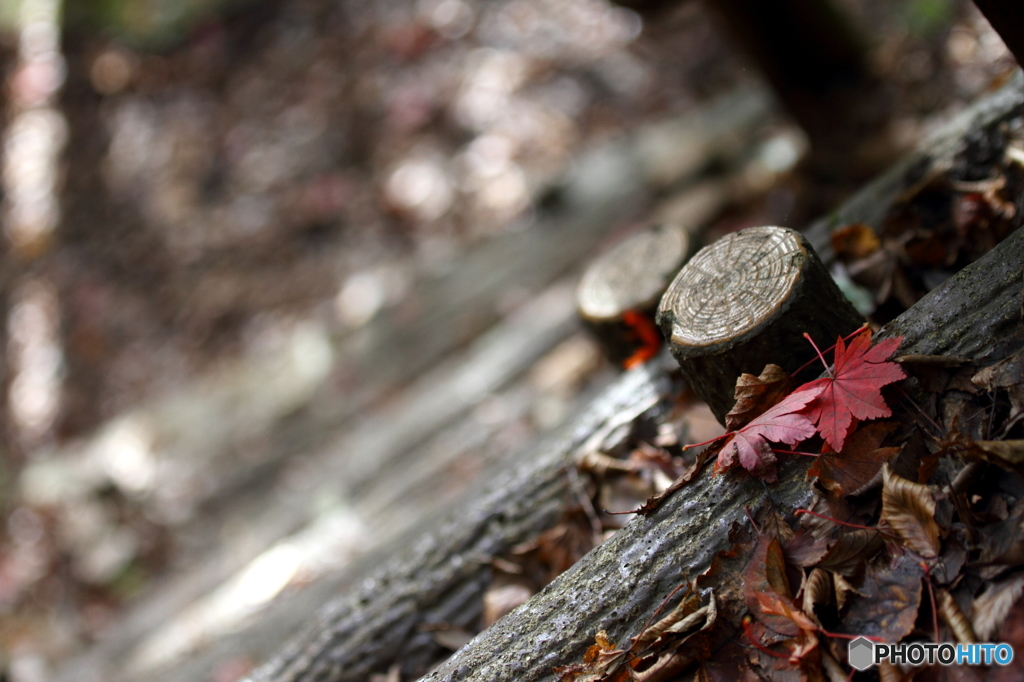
(915, 534)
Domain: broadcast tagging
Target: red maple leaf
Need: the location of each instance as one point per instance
(784, 423)
(854, 389)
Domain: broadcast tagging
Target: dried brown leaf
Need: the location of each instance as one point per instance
(939, 373)
(817, 590)
(602, 662)
(755, 395)
(1003, 374)
(689, 605)
(844, 589)
(851, 551)
(954, 618)
(887, 602)
(855, 241)
(665, 655)
(805, 549)
(908, 508)
(852, 470)
(992, 606)
(1007, 454)
(766, 575)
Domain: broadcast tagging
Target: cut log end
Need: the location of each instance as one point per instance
(619, 292)
(745, 301)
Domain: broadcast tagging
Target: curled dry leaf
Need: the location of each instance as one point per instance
(1007, 454)
(990, 609)
(766, 575)
(1006, 375)
(666, 656)
(600, 660)
(851, 551)
(844, 589)
(939, 373)
(654, 654)
(817, 590)
(1003, 374)
(755, 395)
(908, 508)
(954, 618)
(688, 606)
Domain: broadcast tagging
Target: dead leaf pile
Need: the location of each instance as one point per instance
(948, 219)
(916, 533)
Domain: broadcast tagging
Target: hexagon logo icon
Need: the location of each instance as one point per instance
(861, 653)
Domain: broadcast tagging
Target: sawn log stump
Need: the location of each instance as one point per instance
(619, 293)
(750, 293)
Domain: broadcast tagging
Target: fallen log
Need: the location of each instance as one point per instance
(442, 575)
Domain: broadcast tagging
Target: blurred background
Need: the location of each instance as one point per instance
(281, 276)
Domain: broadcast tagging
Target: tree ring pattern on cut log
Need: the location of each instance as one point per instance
(632, 274)
(734, 285)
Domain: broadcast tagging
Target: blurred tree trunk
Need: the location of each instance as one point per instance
(814, 58)
(1007, 18)
(9, 452)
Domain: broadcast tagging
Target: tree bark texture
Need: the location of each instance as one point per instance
(441, 576)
